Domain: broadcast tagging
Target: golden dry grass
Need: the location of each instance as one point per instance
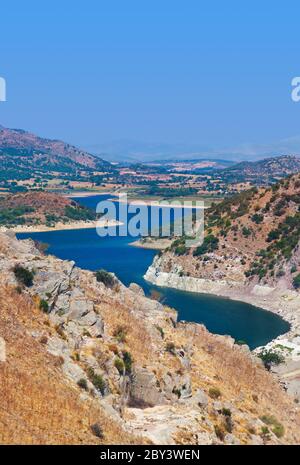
(37, 404)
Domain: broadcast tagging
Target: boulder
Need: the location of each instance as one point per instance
(144, 390)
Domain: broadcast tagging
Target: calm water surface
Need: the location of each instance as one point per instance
(223, 316)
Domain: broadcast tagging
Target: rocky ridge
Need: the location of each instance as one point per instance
(162, 381)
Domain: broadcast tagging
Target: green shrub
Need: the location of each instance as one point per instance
(44, 306)
(127, 360)
(82, 383)
(97, 381)
(296, 281)
(276, 427)
(256, 218)
(210, 244)
(119, 364)
(23, 275)
(106, 278)
(270, 358)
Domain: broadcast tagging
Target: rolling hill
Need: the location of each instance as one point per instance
(23, 153)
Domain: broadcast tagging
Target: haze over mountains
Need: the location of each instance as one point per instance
(134, 150)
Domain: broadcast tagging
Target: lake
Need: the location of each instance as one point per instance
(222, 316)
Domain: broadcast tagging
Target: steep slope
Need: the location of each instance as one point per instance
(21, 151)
(250, 253)
(252, 237)
(37, 404)
(168, 383)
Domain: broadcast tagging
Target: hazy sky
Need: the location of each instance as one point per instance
(213, 73)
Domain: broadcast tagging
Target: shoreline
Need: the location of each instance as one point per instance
(157, 203)
(158, 244)
(61, 226)
(86, 194)
(283, 302)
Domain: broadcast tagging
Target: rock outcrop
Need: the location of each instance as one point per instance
(162, 381)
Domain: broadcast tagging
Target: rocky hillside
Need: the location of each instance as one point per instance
(73, 342)
(37, 207)
(252, 237)
(23, 153)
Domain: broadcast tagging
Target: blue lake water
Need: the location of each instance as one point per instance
(222, 316)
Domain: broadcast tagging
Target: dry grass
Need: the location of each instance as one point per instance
(37, 404)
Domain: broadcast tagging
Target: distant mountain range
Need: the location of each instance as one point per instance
(263, 171)
(125, 150)
(23, 150)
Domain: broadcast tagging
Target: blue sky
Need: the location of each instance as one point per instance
(214, 75)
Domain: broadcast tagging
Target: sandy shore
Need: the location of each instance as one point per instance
(86, 194)
(62, 226)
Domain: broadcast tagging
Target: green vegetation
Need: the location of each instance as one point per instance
(276, 427)
(78, 213)
(14, 216)
(270, 357)
(119, 365)
(82, 383)
(296, 281)
(106, 278)
(44, 306)
(23, 275)
(127, 360)
(210, 244)
(97, 381)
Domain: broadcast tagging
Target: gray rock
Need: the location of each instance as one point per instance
(231, 440)
(144, 390)
(136, 289)
(2, 350)
(200, 398)
(73, 371)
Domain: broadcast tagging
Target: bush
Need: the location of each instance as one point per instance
(170, 347)
(276, 427)
(82, 383)
(210, 244)
(105, 277)
(296, 281)
(127, 360)
(97, 431)
(119, 364)
(97, 381)
(256, 218)
(44, 306)
(270, 358)
(214, 393)
(23, 275)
